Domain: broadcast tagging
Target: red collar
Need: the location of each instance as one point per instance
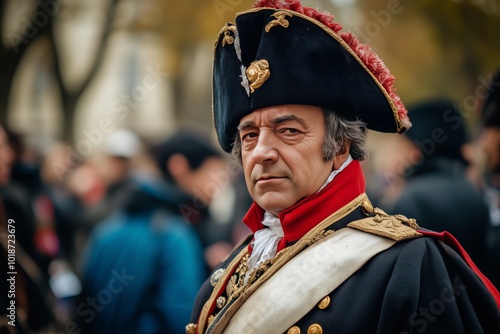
(310, 211)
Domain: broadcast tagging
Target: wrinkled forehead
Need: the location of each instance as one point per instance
(302, 114)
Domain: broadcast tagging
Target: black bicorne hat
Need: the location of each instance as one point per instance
(439, 129)
(275, 56)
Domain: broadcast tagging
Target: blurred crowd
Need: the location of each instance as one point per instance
(129, 234)
(445, 172)
(121, 242)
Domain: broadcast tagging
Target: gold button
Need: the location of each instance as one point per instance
(221, 301)
(216, 276)
(315, 329)
(191, 328)
(211, 319)
(324, 303)
(293, 330)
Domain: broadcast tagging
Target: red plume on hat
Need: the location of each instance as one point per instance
(281, 52)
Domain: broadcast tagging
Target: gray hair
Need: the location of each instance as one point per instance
(338, 132)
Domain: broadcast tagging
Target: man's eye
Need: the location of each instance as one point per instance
(249, 135)
(289, 131)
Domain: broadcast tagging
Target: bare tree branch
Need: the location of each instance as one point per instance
(70, 98)
(12, 56)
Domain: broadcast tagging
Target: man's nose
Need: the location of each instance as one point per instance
(265, 150)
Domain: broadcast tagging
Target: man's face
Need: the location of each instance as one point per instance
(6, 158)
(281, 151)
(490, 144)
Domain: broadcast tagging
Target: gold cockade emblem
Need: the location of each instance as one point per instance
(227, 37)
(280, 19)
(257, 73)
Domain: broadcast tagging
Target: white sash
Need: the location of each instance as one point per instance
(303, 281)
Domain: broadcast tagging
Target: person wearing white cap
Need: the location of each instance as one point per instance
(122, 143)
(119, 149)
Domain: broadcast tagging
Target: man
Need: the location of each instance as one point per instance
(437, 192)
(293, 98)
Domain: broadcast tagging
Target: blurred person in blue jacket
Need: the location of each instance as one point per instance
(143, 265)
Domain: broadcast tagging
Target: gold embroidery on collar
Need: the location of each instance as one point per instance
(317, 237)
(237, 281)
(227, 37)
(257, 73)
(280, 20)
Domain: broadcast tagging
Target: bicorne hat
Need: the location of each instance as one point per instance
(439, 129)
(283, 53)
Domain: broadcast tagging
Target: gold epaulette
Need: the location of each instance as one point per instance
(395, 227)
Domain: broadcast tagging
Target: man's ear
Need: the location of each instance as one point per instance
(341, 157)
(177, 165)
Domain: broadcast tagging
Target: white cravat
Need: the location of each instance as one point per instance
(266, 239)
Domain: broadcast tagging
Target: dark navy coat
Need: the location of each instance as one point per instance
(441, 198)
(418, 285)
